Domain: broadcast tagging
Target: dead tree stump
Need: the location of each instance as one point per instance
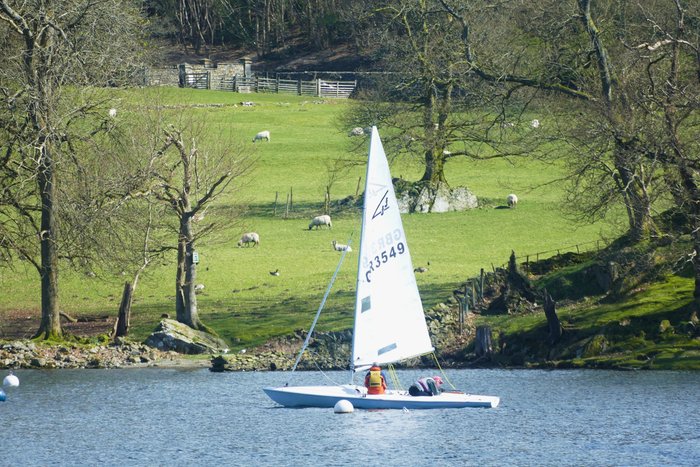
(483, 345)
(552, 318)
(121, 327)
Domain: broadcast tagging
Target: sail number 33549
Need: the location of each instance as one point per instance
(390, 251)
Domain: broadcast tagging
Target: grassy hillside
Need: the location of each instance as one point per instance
(647, 320)
(241, 300)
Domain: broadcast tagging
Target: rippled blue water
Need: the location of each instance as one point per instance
(195, 417)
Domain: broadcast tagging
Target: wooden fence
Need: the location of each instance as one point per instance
(315, 88)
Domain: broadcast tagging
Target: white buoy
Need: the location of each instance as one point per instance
(11, 381)
(343, 406)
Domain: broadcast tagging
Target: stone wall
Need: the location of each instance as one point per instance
(218, 72)
(162, 76)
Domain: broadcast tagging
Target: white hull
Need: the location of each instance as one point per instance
(328, 396)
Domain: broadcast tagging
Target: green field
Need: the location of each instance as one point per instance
(242, 301)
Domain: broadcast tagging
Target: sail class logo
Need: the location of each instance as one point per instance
(383, 206)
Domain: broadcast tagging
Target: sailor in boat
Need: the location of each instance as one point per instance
(426, 387)
(375, 380)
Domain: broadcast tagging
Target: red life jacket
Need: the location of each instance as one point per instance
(374, 381)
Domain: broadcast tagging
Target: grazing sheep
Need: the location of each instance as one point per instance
(199, 288)
(319, 221)
(248, 238)
(340, 247)
(357, 131)
(113, 112)
(535, 123)
(512, 200)
(263, 135)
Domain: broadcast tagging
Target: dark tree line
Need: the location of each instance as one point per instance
(264, 26)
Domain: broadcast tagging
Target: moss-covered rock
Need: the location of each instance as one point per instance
(173, 335)
(596, 346)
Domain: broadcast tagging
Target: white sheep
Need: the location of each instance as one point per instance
(263, 135)
(319, 221)
(535, 123)
(512, 200)
(340, 247)
(248, 238)
(357, 131)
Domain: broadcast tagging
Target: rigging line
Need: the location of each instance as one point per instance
(323, 373)
(395, 377)
(323, 302)
(444, 375)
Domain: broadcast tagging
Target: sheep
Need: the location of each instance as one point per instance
(113, 112)
(535, 123)
(512, 200)
(248, 238)
(340, 247)
(319, 221)
(263, 135)
(357, 131)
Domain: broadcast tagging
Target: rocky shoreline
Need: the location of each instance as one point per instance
(168, 346)
(27, 354)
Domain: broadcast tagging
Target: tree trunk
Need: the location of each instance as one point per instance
(552, 318)
(692, 193)
(434, 167)
(636, 199)
(121, 328)
(186, 300)
(50, 326)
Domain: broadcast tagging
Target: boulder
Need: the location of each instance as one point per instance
(442, 198)
(173, 335)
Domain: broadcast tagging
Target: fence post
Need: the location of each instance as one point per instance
(274, 209)
(318, 87)
(481, 285)
(291, 198)
(208, 79)
(461, 301)
(299, 87)
(286, 208)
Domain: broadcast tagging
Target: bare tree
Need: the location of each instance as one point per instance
(558, 50)
(187, 180)
(437, 106)
(52, 55)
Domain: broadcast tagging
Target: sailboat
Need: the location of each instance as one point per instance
(389, 323)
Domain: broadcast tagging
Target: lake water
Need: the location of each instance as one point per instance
(195, 417)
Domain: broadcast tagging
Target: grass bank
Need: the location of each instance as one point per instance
(241, 300)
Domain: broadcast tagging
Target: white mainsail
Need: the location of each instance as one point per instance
(389, 320)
